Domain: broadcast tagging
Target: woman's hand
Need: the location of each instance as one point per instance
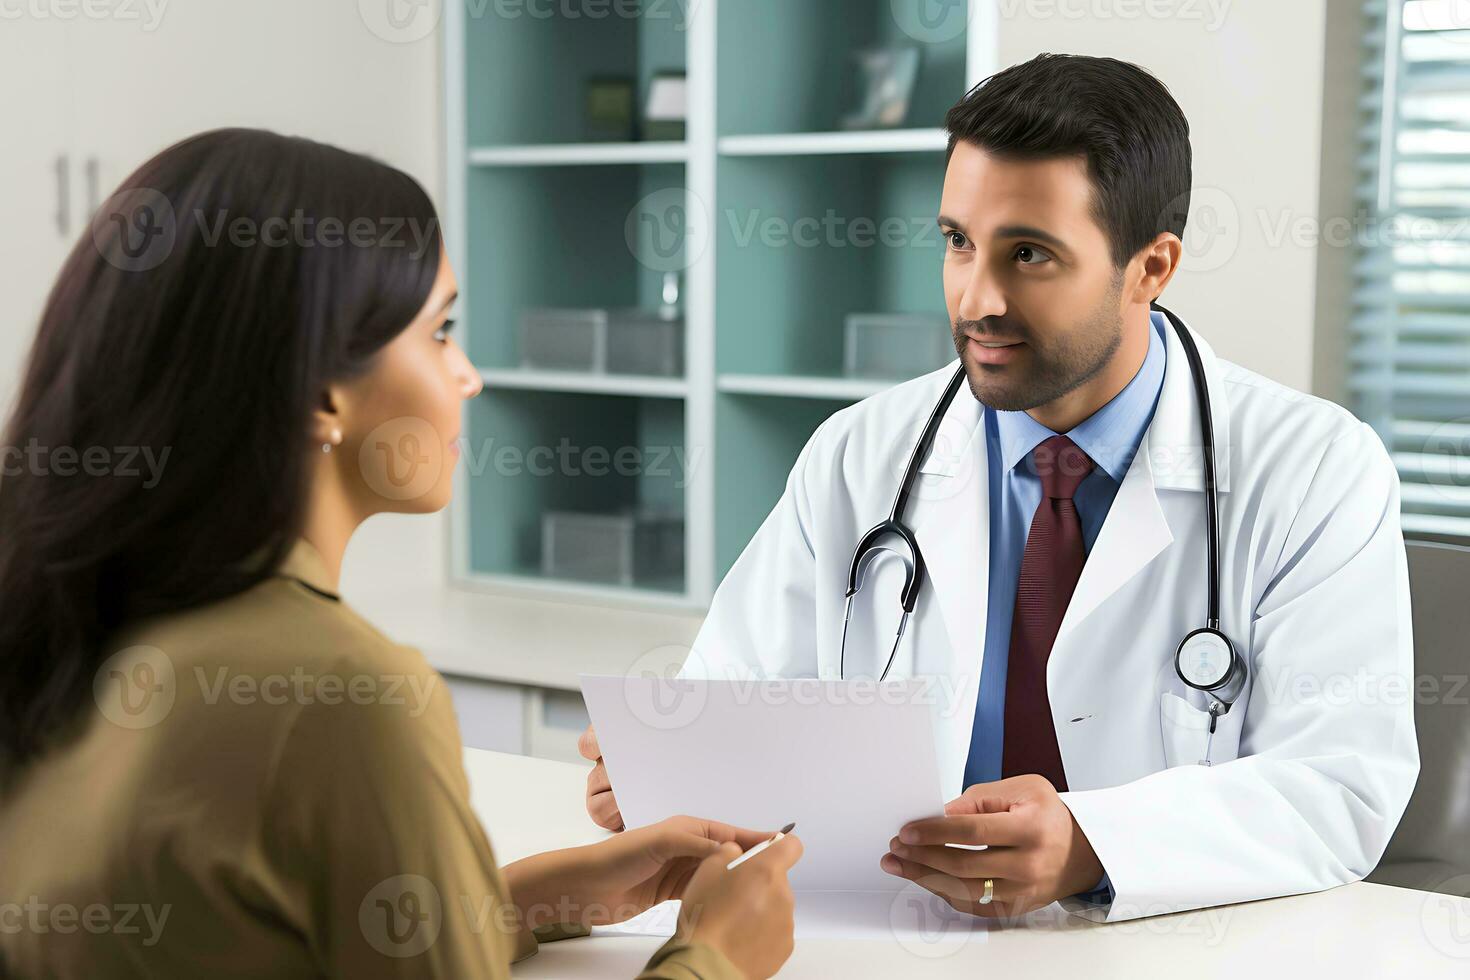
(748, 913)
(616, 879)
(602, 806)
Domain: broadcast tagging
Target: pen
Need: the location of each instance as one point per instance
(760, 847)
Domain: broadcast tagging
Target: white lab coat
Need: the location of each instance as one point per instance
(1313, 766)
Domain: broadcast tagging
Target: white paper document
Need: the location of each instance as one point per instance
(850, 762)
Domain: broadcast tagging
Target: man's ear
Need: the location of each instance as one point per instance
(1157, 262)
(326, 421)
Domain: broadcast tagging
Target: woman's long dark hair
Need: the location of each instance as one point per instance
(185, 346)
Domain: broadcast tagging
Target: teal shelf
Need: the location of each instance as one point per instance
(530, 452)
(787, 67)
(527, 67)
(757, 440)
(799, 386)
(578, 154)
(583, 383)
(779, 222)
(556, 237)
(823, 237)
(829, 144)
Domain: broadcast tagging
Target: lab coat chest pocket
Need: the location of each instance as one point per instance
(1186, 731)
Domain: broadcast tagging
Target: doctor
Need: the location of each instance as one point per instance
(1063, 513)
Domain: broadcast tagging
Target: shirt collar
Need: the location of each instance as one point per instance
(1112, 435)
(304, 564)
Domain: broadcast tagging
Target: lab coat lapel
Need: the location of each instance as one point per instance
(1134, 532)
(1169, 458)
(1176, 455)
(950, 518)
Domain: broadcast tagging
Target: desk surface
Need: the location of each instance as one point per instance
(537, 642)
(1356, 930)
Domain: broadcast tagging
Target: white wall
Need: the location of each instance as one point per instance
(309, 69)
(1248, 75)
(122, 89)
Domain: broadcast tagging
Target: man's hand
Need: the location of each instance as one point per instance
(1035, 852)
(602, 806)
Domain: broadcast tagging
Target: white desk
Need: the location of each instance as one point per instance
(1355, 930)
(535, 642)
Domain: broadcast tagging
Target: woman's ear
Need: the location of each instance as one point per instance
(326, 424)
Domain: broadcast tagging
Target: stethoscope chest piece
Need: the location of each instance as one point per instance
(1207, 661)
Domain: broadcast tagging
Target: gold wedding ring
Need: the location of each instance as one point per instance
(989, 892)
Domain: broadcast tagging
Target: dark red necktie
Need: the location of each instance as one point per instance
(1050, 567)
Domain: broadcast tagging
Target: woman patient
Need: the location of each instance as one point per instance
(209, 764)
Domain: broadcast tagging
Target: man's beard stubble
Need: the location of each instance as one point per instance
(1056, 373)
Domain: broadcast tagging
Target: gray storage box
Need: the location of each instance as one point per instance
(597, 341)
(895, 346)
(564, 340)
(645, 343)
(618, 549)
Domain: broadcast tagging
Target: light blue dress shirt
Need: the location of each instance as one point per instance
(1110, 437)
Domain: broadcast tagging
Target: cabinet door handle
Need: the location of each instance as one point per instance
(63, 195)
(94, 200)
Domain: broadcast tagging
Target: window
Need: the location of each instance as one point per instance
(1410, 346)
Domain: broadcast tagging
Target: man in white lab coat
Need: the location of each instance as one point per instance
(1062, 516)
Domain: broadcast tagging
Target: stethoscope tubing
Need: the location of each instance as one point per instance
(894, 526)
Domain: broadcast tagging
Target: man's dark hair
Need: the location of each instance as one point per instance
(1118, 117)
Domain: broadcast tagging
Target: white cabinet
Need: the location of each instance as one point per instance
(41, 216)
(523, 720)
(554, 722)
(491, 716)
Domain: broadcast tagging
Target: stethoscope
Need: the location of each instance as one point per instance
(1206, 660)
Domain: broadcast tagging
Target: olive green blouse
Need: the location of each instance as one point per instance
(264, 787)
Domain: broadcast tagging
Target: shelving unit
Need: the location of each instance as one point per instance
(575, 154)
(876, 141)
(778, 222)
(796, 386)
(530, 379)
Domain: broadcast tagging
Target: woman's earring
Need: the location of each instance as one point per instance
(336, 441)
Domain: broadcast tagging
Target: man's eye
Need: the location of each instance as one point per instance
(1031, 255)
(956, 239)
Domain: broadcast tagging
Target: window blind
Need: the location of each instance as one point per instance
(1409, 375)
